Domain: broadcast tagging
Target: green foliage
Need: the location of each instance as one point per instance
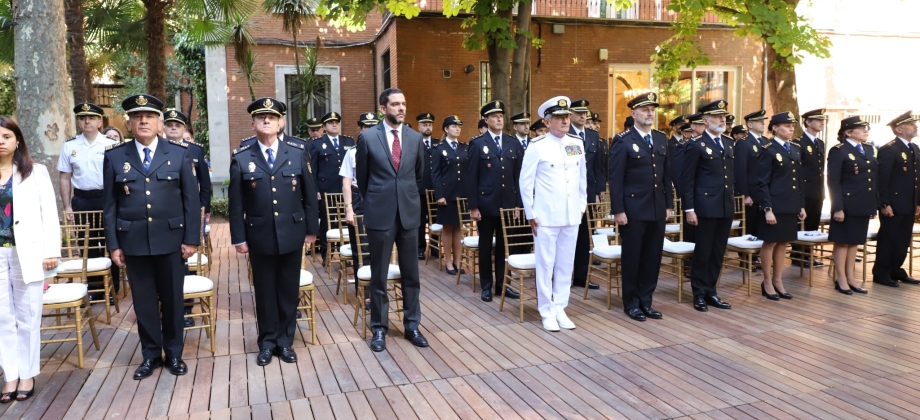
(6, 33)
(131, 70)
(190, 59)
(220, 206)
(7, 93)
(312, 87)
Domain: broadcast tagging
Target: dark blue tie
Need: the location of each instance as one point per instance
(271, 158)
(454, 145)
(335, 144)
(582, 135)
(146, 159)
(789, 148)
(498, 144)
(524, 144)
(860, 148)
(648, 140)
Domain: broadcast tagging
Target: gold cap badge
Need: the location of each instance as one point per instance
(85, 107)
(268, 103)
(721, 105)
(172, 114)
(562, 102)
(789, 114)
(652, 96)
(141, 100)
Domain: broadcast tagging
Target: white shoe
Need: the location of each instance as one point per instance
(549, 324)
(563, 320)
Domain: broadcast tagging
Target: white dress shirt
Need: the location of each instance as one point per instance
(554, 181)
(263, 148)
(348, 168)
(84, 160)
(389, 133)
(152, 147)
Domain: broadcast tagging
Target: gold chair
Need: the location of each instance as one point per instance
(609, 256)
(308, 296)
(746, 246)
(394, 283)
(69, 297)
(345, 253)
(518, 267)
(434, 230)
(469, 245)
(334, 236)
(678, 251)
(92, 267)
(200, 289)
(813, 244)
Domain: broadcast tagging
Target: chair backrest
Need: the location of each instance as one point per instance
(597, 212)
(340, 212)
(517, 230)
(95, 229)
(357, 243)
(467, 224)
(431, 203)
(75, 244)
(679, 217)
(740, 209)
(333, 200)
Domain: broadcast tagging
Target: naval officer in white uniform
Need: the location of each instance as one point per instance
(554, 191)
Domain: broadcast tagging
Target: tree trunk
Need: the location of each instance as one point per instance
(155, 27)
(44, 111)
(781, 84)
(79, 71)
(499, 63)
(520, 74)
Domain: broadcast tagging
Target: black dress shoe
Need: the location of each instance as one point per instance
(857, 289)
(297, 315)
(421, 256)
(596, 262)
(416, 338)
(146, 368)
(593, 286)
(379, 341)
(486, 295)
(177, 366)
(859, 260)
(651, 313)
(763, 291)
(264, 357)
(700, 304)
(511, 294)
(784, 295)
(842, 290)
(718, 303)
(818, 263)
(636, 315)
(188, 323)
(286, 354)
(886, 282)
(910, 281)
(452, 271)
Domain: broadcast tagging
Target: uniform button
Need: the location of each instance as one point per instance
(870, 171)
(703, 193)
(273, 190)
(870, 189)
(794, 179)
(148, 206)
(149, 219)
(148, 179)
(656, 175)
(168, 178)
(276, 213)
(793, 171)
(656, 185)
(793, 187)
(503, 185)
(848, 193)
(870, 179)
(653, 165)
(727, 186)
(458, 172)
(726, 176)
(273, 177)
(148, 192)
(274, 201)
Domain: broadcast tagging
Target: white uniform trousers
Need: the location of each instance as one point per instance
(555, 256)
(20, 320)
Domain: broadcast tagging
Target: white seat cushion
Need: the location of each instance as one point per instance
(736, 224)
(604, 231)
(825, 218)
(746, 242)
(364, 273)
(92, 264)
(306, 278)
(345, 250)
(813, 236)
(197, 284)
(435, 227)
(207, 228)
(678, 247)
(63, 292)
(523, 261)
(672, 228)
(193, 260)
(872, 234)
(916, 228)
(612, 252)
(334, 234)
(471, 241)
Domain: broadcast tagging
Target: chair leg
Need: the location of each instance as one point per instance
(313, 317)
(520, 291)
(680, 279)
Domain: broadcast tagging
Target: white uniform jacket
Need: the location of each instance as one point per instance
(553, 180)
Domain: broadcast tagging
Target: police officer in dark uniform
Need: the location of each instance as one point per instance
(326, 159)
(697, 127)
(757, 123)
(151, 217)
(282, 136)
(899, 199)
(538, 128)
(641, 200)
(273, 212)
(812, 148)
(676, 137)
(425, 122)
(597, 184)
(520, 123)
(494, 168)
(450, 160)
(314, 128)
(708, 202)
(746, 163)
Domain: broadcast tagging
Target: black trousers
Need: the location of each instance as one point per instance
(323, 226)
(358, 207)
(95, 204)
(276, 280)
(708, 254)
(641, 261)
(812, 220)
(894, 236)
(582, 257)
(423, 220)
(158, 279)
(489, 227)
(751, 219)
(381, 243)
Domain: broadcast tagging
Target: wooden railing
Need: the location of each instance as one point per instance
(649, 10)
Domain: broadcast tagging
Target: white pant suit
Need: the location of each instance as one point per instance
(37, 234)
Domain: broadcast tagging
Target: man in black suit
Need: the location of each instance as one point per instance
(899, 200)
(708, 202)
(757, 123)
(326, 160)
(597, 185)
(494, 169)
(273, 212)
(425, 122)
(152, 222)
(390, 163)
(813, 158)
(640, 202)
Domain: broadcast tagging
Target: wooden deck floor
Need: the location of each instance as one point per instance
(822, 355)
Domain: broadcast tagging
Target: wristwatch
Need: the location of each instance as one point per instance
(766, 209)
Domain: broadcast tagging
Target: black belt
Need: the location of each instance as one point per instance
(87, 194)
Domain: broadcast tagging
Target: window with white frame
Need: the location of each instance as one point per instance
(286, 90)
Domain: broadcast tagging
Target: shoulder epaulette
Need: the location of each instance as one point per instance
(728, 138)
(179, 143)
(695, 138)
(116, 145)
(622, 133)
(796, 141)
(297, 145)
(796, 145)
(767, 146)
(662, 132)
(890, 143)
(538, 138)
(247, 138)
(298, 138)
(108, 137)
(241, 149)
(72, 138)
(838, 145)
(589, 128)
(347, 137)
(193, 143)
(573, 136)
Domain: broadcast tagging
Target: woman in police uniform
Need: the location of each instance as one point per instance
(448, 157)
(851, 179)
(781, 201)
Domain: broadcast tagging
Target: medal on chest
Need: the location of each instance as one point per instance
(855, 169)
(73, 153)
(127, 167)
(127, 190)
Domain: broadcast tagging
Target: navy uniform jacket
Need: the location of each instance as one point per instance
(603, 156)
(899, 169)
(326, 162)
(747, 153)
(779, 184)
(272, 210)
(251, 141)
(762, 141)
(677, 156)
(812, 166)
(708, 176)
(493, 179)
(150, 213)
(640, 177)
(852, 179)
(200, 171)
(593, 163)
(450, 170)
(427, 177)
